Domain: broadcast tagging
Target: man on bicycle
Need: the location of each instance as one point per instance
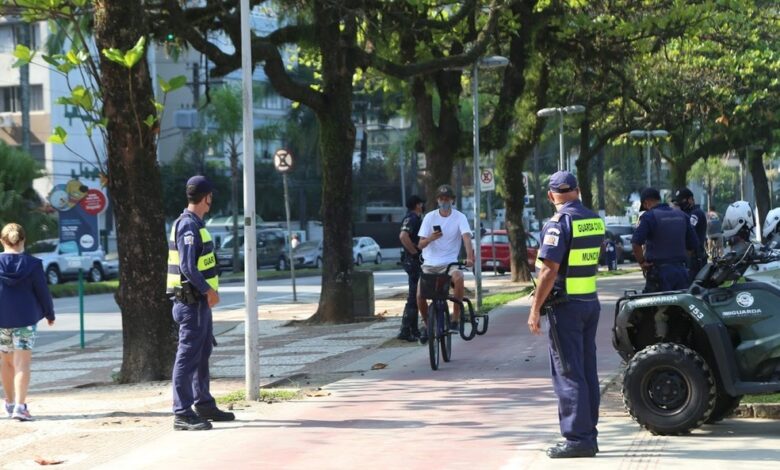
(441, 234)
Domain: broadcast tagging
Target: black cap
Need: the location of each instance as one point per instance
(682, 194)
(445, 190)
(198, 185)
(649, 193)
(413, 200)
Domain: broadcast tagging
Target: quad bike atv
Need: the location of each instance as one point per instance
(693, 354)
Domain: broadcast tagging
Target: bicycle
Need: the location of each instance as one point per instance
(436, 288)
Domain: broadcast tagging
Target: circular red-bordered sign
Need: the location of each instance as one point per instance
(94, 202)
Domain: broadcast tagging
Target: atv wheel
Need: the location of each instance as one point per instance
(668, 389)
(724, 406)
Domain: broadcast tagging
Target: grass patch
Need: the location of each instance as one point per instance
(769, 398)
(489, 302)
(266, 395)
(617, 272)
(71, 289)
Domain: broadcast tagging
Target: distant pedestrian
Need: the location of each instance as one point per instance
(683, 198)
(566, 293)
(193, 282)
(24, 301)
(411, 257)
(668, 239)
(296, 240)
(714, 234)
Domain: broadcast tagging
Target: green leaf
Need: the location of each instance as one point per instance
(164, 85)
(135, 54)
(82, 97)
(59, 136)
(23, 55)
(150, 120)
(178, 82)
(114, 55)
(158, 106)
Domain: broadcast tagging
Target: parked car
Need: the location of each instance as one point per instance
(61, 261)
(306, 255)
(365, 248)
(624, 232)
(502, 263)
(270, 249)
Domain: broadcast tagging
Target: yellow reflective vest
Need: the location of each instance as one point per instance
(207, 261)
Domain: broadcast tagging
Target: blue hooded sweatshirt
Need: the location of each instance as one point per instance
(24, 295)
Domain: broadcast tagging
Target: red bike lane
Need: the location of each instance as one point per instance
(491, 407)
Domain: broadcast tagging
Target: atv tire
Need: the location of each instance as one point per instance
(668, 389)
(724, 406)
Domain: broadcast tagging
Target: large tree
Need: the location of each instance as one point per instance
(116, 91)
(330, 35)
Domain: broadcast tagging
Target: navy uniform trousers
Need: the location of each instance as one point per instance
(578, 391)
(191, 368)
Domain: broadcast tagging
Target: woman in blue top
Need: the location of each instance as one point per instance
(24, 301)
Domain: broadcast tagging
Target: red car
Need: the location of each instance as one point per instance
(501, 262)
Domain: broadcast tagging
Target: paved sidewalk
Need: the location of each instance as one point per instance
(492, 405)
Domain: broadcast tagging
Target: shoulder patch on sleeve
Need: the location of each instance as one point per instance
(188, 237)
(551, 240)
(694, 219)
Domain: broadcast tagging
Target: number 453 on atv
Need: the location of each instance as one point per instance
(693, 354)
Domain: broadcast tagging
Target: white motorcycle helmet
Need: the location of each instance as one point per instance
(770, 224)
(738, 216)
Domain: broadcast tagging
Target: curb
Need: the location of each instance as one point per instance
(758, 410)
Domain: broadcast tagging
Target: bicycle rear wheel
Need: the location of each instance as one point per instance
(433, 334)
(446, 338)
(482, 324)
(468, 323)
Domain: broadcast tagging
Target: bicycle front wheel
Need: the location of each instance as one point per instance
(433, 335)
(446, 339)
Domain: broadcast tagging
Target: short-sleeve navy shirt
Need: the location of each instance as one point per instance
(411, 225)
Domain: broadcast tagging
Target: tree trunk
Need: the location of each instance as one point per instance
(583, 164)
(511, 170)
(337, 141)
(679, 172)
(760, 183)
(135, 189)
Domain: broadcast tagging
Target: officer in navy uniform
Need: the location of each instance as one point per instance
(411, 258)
(193, 282)
(566, 293)
(683, 198)
(668, 238)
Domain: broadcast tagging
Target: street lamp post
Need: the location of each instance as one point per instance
(548, 112)
(647, 135)
(491, 62)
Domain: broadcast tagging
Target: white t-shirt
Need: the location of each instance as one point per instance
(446, 249)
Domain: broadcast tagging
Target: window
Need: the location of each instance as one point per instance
(9, 36)
(10, 99)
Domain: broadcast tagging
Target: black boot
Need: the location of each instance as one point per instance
(408, 325)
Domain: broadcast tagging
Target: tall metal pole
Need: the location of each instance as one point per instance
(252, 353)
(562, 162)
(289, 236)
(23, 31)
(647, 159)
(478, 248)
(402, 163)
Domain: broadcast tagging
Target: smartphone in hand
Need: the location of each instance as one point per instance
(437, 228)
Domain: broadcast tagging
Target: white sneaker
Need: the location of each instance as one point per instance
(21, 413)
(9, 409)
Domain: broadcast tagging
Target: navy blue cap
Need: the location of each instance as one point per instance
(198, 185)
(562, 182)
(413, 200)
(445, 190)
(649, 193)
(682, 194)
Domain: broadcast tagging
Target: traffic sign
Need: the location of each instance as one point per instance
(487, 180)
(283, 161)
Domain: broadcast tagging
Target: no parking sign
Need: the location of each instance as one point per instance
(487, 180)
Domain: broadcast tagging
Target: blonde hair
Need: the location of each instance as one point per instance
(12, 234)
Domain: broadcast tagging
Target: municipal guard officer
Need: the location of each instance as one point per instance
(668, 237)
(193, 282)
(412, 262)
(683, 198)
(566, 293)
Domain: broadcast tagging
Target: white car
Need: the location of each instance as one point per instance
(62, 261)
(365, 249)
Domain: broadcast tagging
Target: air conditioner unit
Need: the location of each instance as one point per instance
(6, 120)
